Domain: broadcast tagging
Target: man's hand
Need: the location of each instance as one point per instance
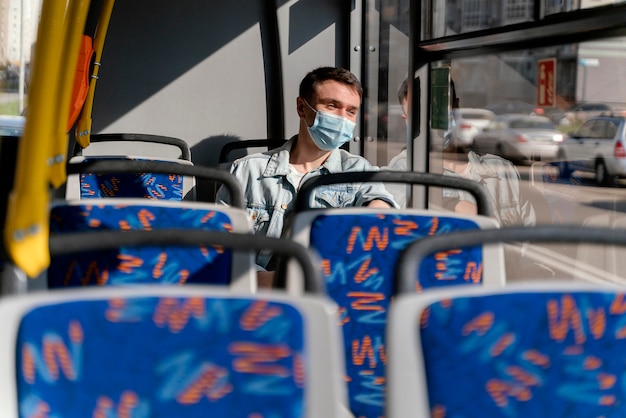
(377, 203)
(465, 207)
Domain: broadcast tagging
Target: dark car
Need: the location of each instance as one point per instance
(503, 108)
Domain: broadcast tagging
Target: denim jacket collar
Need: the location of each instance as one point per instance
(278, 164)
(480, 169)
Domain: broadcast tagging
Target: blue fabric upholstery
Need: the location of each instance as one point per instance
(148, 185)
(359, 254)
(526, 354)
(140, 264)
(162, 357)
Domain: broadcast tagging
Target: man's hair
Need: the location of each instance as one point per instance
(319, 75)
(403, 91)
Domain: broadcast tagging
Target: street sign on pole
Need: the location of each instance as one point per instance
(589, 62)
(546, 82)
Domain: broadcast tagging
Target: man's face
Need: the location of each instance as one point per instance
(334, 97)
(405, 109)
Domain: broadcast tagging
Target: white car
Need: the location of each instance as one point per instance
(469, 122)
(520, 137)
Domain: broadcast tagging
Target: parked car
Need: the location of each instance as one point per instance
(11, 125)
(583, 111)
(469, 122)
(513, 107)
(597, 147)
(519, 137)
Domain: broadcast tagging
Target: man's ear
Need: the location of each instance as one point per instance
(300, 107)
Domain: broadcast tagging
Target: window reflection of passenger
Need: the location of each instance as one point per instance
(498, 175)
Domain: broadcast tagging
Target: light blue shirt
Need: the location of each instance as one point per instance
(270, 188)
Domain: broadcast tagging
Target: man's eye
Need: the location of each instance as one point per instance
(331, 106)
(353, 112)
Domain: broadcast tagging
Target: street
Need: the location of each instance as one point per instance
(577, 200)
(8, 97)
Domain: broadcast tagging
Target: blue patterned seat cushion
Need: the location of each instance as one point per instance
(162, 357)
(128, 265)
(148, 185)
(359, 254)
(526, 355)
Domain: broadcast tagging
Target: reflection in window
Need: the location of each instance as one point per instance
(519, 11)
(462, 16)
(588, 78)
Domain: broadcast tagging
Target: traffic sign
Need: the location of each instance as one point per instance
(589, 62)
(546, 82)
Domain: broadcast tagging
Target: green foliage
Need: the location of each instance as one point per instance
(10, 108)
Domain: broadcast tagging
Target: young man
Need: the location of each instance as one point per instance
(328, 104)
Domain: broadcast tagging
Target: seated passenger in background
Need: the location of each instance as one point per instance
(498, 175)
(328, 104)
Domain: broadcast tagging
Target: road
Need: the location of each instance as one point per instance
(577, 200)
(574, 200)
(8, 97)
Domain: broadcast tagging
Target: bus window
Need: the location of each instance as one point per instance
(457, 16)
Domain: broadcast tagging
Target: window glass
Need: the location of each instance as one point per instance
(611, 129)
(452, 17)
(18, 31)
(386, 122)
(599, 129)
(561, 174)
(552, 178)
(588, 129)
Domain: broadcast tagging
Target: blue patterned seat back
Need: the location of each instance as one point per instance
(526, 354)
(148, 185)
(164, 357)
(133, 265)
(359, 254)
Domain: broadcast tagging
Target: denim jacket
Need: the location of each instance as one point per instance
(502, 183)
(270, 188)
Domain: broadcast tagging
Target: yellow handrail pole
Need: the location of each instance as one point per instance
(73, 27)
(83, 128)
(26, 232)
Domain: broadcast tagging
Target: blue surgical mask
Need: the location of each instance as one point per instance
(330, 131)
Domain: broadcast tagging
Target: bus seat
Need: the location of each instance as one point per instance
(120, 266)
(229, 152)
(436, 181)
(149, 185)
(255, 145)
(146, 145)
(95, 177)
(359, 248)
(526, 349)
(550, 349)
(170, 351)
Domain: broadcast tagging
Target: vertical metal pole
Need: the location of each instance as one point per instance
(22, 63)
(584, 92)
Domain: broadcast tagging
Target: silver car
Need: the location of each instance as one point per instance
(469, 122)
(584, 111)
(597, 147)
(520, 137)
